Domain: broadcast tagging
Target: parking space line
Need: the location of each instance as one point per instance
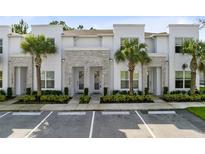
(115, 113)
(26, 113)
(91, 126)
(71, 113)
(4, 114)
(149, 130)
(161, 112)
(38, 125)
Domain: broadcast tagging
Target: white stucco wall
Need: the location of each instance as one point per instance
(4, 31)
(176, 59)
(52, 62)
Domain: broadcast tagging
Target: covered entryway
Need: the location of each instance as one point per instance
(20, 80)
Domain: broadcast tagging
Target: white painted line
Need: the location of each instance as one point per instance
(4, 114)
(38, 125)
(91, 125)
(161, 112)
(149, 130)
(71, 113)
(27, 113)
(115, 113)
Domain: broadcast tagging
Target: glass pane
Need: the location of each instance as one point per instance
(187, 83)
(96, 80)
(124, 84)
(202, 82)
(179, 75)
(50, 75)
(43, 84)
(135, 84)
(136, 76)
(50, 84)
(0, 83)
(81, 80)
(179, 83)
(0, 75)
(187, 75)
(43, 75)
(178, 41)
(124, 75)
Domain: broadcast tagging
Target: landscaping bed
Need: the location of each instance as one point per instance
(183, 98)
(44, 99)
(198, 111)
(84, 99)
(126, 99)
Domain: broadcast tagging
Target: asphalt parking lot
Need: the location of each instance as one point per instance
(101, 124)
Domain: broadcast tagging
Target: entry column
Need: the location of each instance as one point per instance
(87, 77)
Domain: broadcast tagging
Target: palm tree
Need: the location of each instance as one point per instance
(38, 46)
(192, 47)
(130, 52)
(144, 60)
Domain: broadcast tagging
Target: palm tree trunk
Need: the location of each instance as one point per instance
(131, 70)
(142, 79)
(38, 77)
(193, 68)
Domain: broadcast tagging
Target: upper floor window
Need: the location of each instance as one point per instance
(179, 42)
(1, 79)
(126, 38)
(124, 80)
(182, 79)
(1, 46)
(47, 79)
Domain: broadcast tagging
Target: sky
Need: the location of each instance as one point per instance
(152, 23)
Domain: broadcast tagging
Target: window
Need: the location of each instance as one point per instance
(202, 81)
(124, 76)
(1, 46)
(1, 79)
(47, 79)
(182, 79)
(124, 38)
(178, 43)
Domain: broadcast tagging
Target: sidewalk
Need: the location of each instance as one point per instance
(98, 107)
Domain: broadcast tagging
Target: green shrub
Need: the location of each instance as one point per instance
(27, 98)
(183, 98)
(66, 91)
(9, 92)
(126, 99)
(139, 92)
(84, 99)
(165, 90)
(2, 92)
(146, 91)
(105, 91)
(86, 91)
(114, 92)
(48, 92)
(179, 92)
(28, 91)
(2, 98)
(124, 92)
(55, 98)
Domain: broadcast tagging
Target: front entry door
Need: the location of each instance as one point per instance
(80, 81)
(97, 81)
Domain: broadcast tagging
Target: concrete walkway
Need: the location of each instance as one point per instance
(98, 107)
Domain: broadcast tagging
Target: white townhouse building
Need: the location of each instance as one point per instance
(85, 59)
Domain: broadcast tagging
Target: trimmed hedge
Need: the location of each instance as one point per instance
(2, 98)
(2, 92)
(55, 98)
(126, 99)
(9, 92)
(84, 99)
(86, 91)
(48, 92)
(27, 98)
(66, 91)
(183, 98)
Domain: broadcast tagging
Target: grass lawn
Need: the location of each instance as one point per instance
(198, 111)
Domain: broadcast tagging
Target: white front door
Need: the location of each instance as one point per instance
(96, 81)
(80, 81)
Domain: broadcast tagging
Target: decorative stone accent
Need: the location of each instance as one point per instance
(86, 59)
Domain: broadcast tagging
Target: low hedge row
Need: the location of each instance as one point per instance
(126, 99)
(183, 98)
(48, 92)
(45, 98)
(2, 98)
(84, 99)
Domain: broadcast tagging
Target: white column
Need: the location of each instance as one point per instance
(158, 81)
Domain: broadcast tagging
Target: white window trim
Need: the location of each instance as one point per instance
(128, 80)
(184, 79)
(45, 79)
